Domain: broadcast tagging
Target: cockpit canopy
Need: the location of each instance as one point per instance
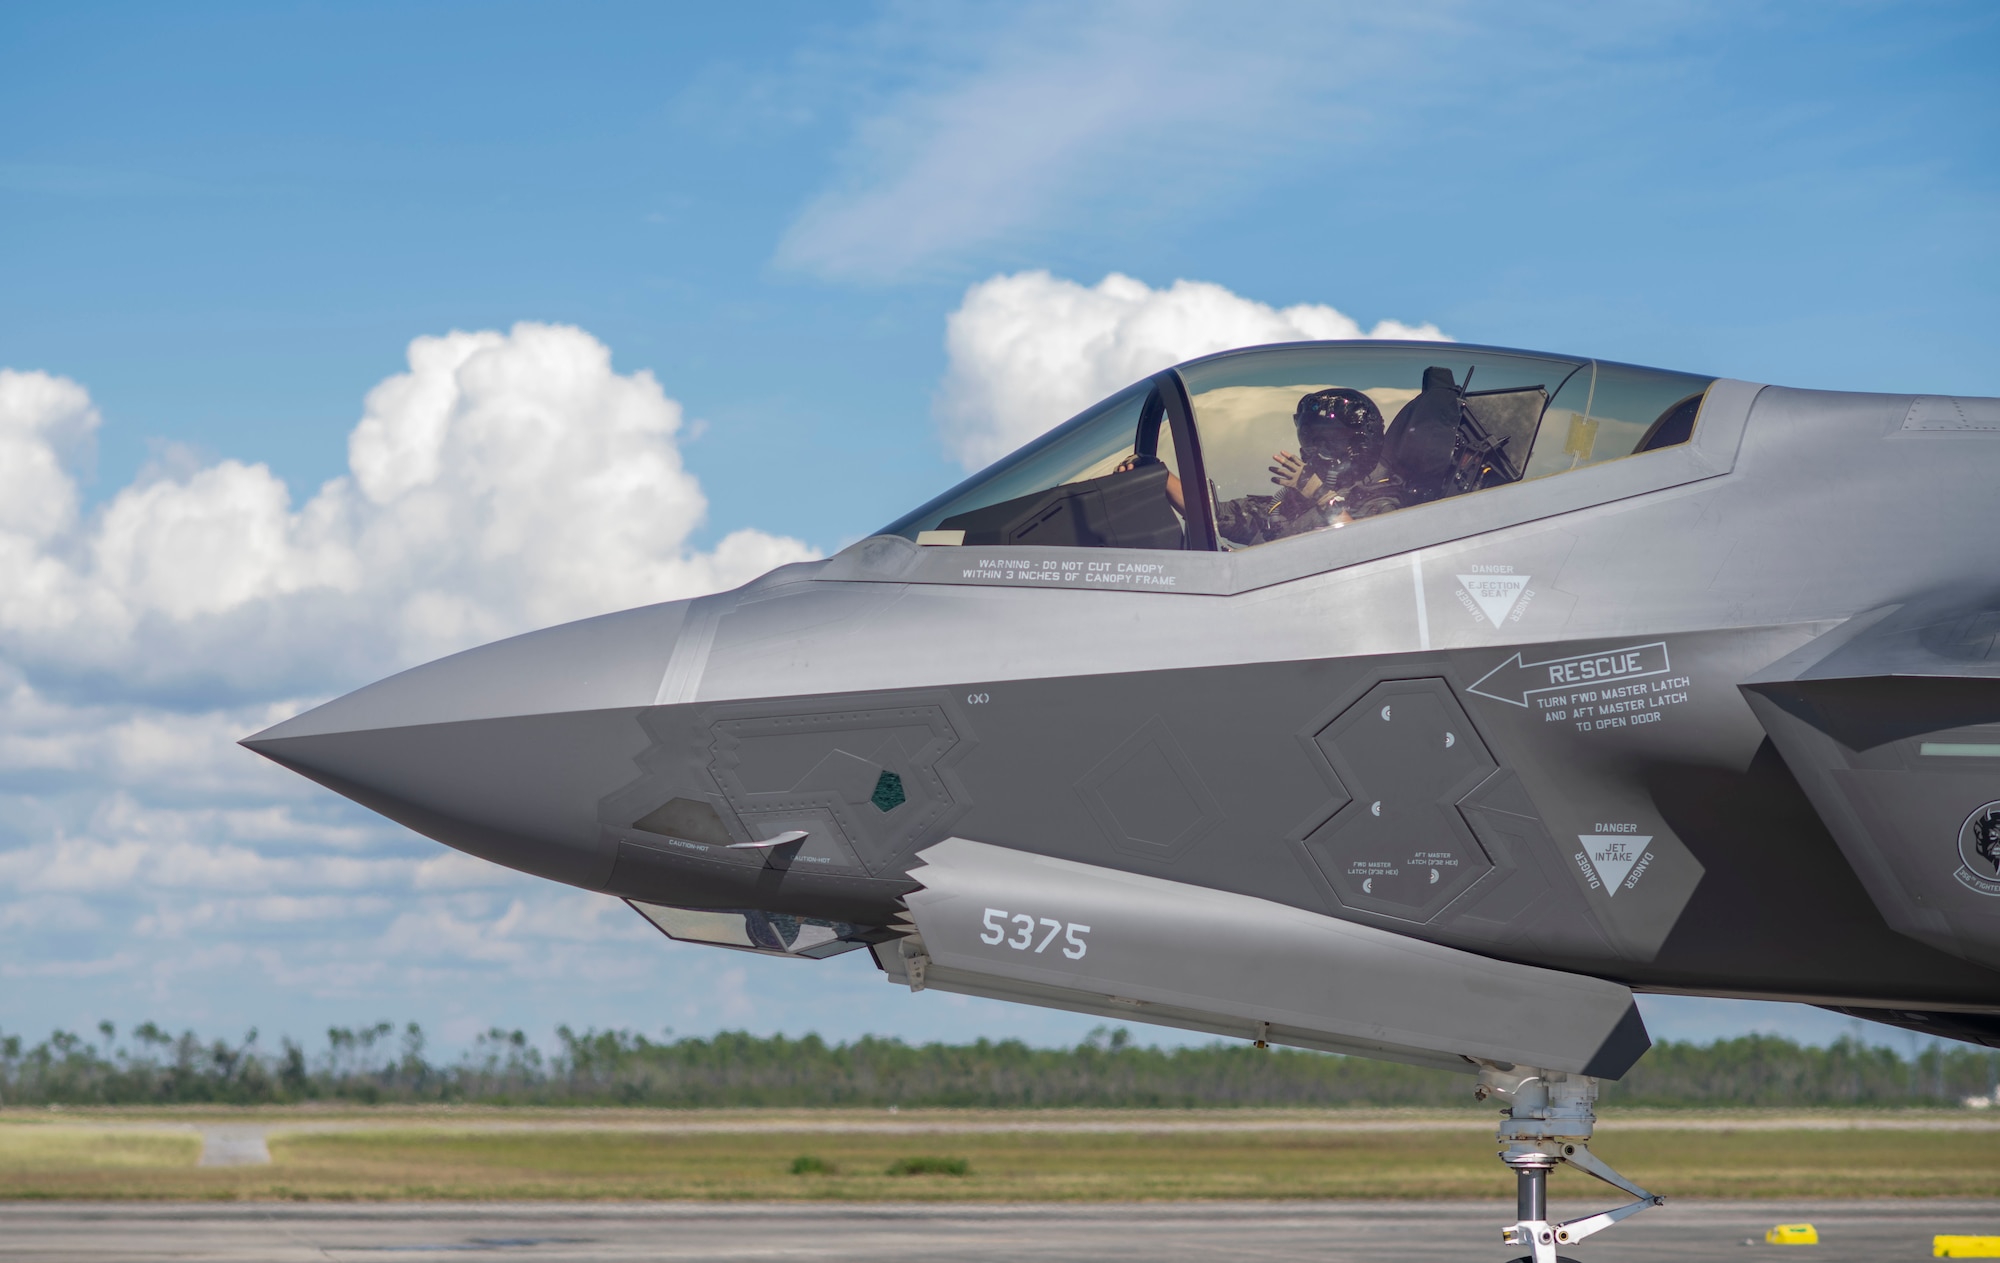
(1286, 440)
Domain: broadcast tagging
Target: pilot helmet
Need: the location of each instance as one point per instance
(1340, 435)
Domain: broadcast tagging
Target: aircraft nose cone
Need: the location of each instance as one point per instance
(502, 751)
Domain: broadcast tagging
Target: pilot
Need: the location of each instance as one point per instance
(1340, 440)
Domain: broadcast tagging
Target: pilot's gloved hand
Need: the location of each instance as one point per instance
(1289, 472)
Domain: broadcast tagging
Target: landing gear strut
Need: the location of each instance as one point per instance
(1548, 1122)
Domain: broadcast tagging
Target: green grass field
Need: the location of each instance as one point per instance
(583, 1156)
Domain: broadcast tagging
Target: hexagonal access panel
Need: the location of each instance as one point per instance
(1407, 753)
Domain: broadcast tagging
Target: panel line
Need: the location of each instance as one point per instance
(1423, 614)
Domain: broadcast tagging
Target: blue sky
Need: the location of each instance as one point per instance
(223, 226)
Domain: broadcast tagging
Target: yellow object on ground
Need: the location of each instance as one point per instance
(1960, 1247)
(1793, 1234)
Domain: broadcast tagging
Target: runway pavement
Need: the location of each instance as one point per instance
(1181, 1232)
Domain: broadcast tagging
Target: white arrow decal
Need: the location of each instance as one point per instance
(1514, 681)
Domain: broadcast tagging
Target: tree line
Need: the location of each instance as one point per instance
(385, 1064)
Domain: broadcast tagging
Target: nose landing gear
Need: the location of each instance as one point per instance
(1548, 1122)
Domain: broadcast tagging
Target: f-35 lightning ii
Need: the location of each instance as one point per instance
(1410, 700)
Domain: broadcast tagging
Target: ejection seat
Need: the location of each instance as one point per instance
(1449, 440)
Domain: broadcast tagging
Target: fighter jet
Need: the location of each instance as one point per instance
(1410, 700)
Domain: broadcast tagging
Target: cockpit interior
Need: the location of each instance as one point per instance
(1290, 440)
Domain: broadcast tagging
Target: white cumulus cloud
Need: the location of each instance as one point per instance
(506, 481)
(1030, 350)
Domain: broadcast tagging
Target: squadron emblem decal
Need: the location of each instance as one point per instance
(1979, 850)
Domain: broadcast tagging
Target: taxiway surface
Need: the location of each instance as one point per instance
(1274, 1232)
